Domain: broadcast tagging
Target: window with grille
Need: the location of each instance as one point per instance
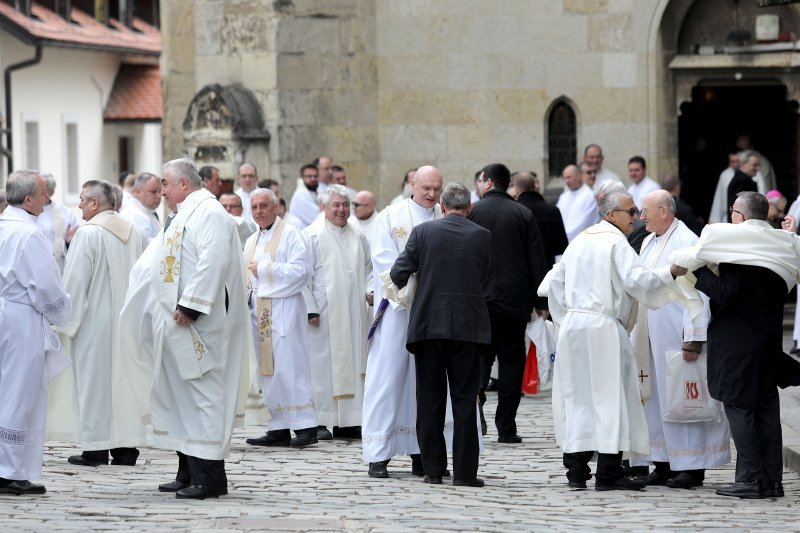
(561, 138)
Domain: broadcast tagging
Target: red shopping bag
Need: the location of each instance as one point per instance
(530, 378)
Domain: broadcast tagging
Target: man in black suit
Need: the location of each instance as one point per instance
(448, 323)
(742, 180)
(548, 217)
(518, 266)
(744, 341)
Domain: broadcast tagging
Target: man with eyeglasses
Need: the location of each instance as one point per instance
(364, 217)
(681, 452)
(248, 181)
(245, 227)
(746, 269)
(592, 294)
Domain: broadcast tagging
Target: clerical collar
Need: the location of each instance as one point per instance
(265, 230)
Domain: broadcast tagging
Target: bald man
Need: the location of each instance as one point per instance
(363, 216)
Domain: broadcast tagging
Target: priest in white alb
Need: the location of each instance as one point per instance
(279, 268)
(184, 328)
(389, 418)
(93, 402)
(337, 296)
(140, 208)
(57, 223)
(32, 298)
(305, 204)
(681, 452)
(592, 295)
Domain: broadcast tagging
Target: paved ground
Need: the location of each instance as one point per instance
(325, 488)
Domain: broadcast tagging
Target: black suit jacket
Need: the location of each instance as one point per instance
(746, 325)
(518, 260)
(740, 182)
(452, 257)
(551, 225)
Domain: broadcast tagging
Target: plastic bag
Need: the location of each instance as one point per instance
(541, 333)
(687, 397)
(530, 378)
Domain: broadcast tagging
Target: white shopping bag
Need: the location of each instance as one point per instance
(541, 333)
(687, 394)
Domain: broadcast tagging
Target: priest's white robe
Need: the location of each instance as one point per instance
(244, 228)
(688, 446)
(32, 298)
(340, 340)
(144, 219)
(368, 227)
(596, 399)
(198, 373)
(389, 425)
(93, 402)
(247, 210)
(641, 189)
(53, 223)
(304, 204)
(288, 393)
(719, 206)
(578, 210)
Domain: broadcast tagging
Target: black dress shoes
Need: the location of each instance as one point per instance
(172, 486)
(772, 489)
(21, 487)
(742, 489)
(269, 440)
(433, 480)
(324, 434)
(477, 482)
(201, 492)
(623, 483)
(684, 480)
(577, 485)
(654, 478)
(82, 461)
(379, 469)
(304, 439)
(509, 439)
(352, 432)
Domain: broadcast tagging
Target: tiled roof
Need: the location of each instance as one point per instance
(48, 28)
(136, 94)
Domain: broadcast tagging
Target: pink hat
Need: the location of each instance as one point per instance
(774, 193)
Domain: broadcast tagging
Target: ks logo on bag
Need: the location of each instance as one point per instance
(692, 390)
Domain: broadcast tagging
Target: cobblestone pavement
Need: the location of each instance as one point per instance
(325, 488)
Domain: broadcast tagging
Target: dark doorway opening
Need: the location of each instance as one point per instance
(709, 125)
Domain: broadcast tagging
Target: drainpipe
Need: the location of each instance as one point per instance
(7, 81)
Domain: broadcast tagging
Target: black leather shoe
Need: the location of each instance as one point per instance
(654, 479)
(268, 440)
(772, 489)
(509, 439)
(303, 440)
(200, 492)
(81, 461)
(741, 489)
(684, 480)
(324, 434)
(352, 432)
(22, 487)
(577, 485)
(172, 486)
(433, 480)
(623, 483)
(477, 482)
(379, 469)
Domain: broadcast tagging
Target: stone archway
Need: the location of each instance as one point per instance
(224, 127)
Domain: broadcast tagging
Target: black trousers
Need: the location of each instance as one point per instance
(206, 472)
(123, 455)
(439, 362)
(756, 430)
(508, 344)
(609, 467)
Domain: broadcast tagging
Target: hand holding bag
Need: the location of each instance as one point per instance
(687, 397)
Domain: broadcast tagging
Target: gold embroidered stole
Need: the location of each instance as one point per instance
(264, 305)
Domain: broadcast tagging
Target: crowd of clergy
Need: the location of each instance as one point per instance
(172, 327)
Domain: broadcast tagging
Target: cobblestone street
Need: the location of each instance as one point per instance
(326, 488)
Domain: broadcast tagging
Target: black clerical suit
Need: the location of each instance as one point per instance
(551, 225)
(448, 322)
(745, 334)
(518, 267)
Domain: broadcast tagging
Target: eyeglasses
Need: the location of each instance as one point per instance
(632, 212)
(645, 211)
(731, 210)
(356, 204)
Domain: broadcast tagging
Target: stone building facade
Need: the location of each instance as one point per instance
(384, 85)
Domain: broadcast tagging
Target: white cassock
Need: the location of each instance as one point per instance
(247, 210)
(198, 373)
(293, 220)
(687, 446)
(53, 223)
(144, 219)
(596, 399)
(389, 425)
(341, 279)
(31, 299)
(368, 227)
(578, 210)
(641, 189)
(288, 394)
(304, 203)
(93, 402)
(719, 206)
(244, 228)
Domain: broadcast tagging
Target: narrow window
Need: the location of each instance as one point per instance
(561, 138)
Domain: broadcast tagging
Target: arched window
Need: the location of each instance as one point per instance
(561, 137)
